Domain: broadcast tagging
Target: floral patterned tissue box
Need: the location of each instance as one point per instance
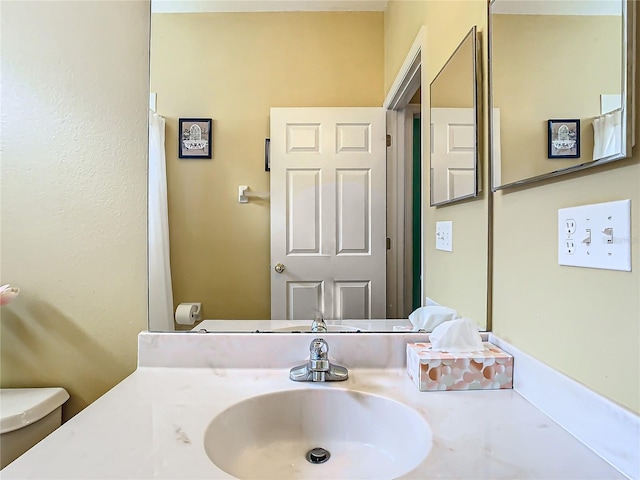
(489, 369)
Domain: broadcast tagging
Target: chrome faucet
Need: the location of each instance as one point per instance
(318, 369)
(318, 324)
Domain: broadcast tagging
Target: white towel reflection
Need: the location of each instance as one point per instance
(607, 135)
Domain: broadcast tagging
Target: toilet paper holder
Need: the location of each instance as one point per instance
(245, 193)
(188, 313)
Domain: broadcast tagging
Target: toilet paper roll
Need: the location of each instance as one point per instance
(187, 313)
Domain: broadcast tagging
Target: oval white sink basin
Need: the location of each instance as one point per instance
(307, 328)
(269, 436)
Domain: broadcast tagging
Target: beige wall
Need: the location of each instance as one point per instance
(570, 318)
(73, 198)
(234, 67)
(583, 322)
(544, 56)
(454, 86)
(459, 278)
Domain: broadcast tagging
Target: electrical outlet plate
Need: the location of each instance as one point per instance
(596, 236)
(444, 236)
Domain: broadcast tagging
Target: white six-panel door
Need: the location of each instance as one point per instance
(328, 208)
(453, 161)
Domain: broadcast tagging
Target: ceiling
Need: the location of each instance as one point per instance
(557, 7)
(200, 6)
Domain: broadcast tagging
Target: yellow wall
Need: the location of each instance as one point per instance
(544, 55)
(234, 67)
(582, 322)
(454, 86)
(73, 197)
(458, 278)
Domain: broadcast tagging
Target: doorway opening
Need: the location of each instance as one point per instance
(405, 174)
(416, 211)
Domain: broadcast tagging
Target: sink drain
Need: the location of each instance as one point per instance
(318, 455)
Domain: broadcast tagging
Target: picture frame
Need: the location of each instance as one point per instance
(195, 138)
(563, 138)
(267, 155)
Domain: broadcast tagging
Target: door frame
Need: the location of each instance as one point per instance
(399, 153)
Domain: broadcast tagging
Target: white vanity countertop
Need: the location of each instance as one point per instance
(152, 425)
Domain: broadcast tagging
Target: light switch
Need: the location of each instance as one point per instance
(444, 236)
(596, 236)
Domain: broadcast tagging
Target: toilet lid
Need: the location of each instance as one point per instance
(20, 407)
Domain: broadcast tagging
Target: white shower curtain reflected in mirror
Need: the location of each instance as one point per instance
(160, 288)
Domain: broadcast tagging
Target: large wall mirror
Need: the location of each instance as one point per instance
(233, 67)
(454, 108)
(560, 77)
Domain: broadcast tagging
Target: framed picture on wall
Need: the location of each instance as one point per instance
(194, 137)
(564, 138)
(267, 156)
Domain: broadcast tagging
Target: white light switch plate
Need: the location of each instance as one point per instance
(596, 236)
(444, 236)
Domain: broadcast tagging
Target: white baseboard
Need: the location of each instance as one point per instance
(608, 429)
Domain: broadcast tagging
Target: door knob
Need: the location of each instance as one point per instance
(279, 268)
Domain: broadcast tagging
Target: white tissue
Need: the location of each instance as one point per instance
(429, 317)
(459, 335)
(430, 302)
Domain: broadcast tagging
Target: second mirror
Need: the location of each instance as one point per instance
(454, 100)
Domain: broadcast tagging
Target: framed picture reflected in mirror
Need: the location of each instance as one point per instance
(194, 137)
(564, 138)
(267, 157)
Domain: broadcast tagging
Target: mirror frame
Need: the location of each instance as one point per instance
(628, 115)
(477, 89)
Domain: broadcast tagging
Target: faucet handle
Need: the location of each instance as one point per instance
(318, 349)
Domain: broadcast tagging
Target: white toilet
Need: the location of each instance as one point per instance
(27, 415)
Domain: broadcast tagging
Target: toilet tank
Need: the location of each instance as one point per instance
(27, 415)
